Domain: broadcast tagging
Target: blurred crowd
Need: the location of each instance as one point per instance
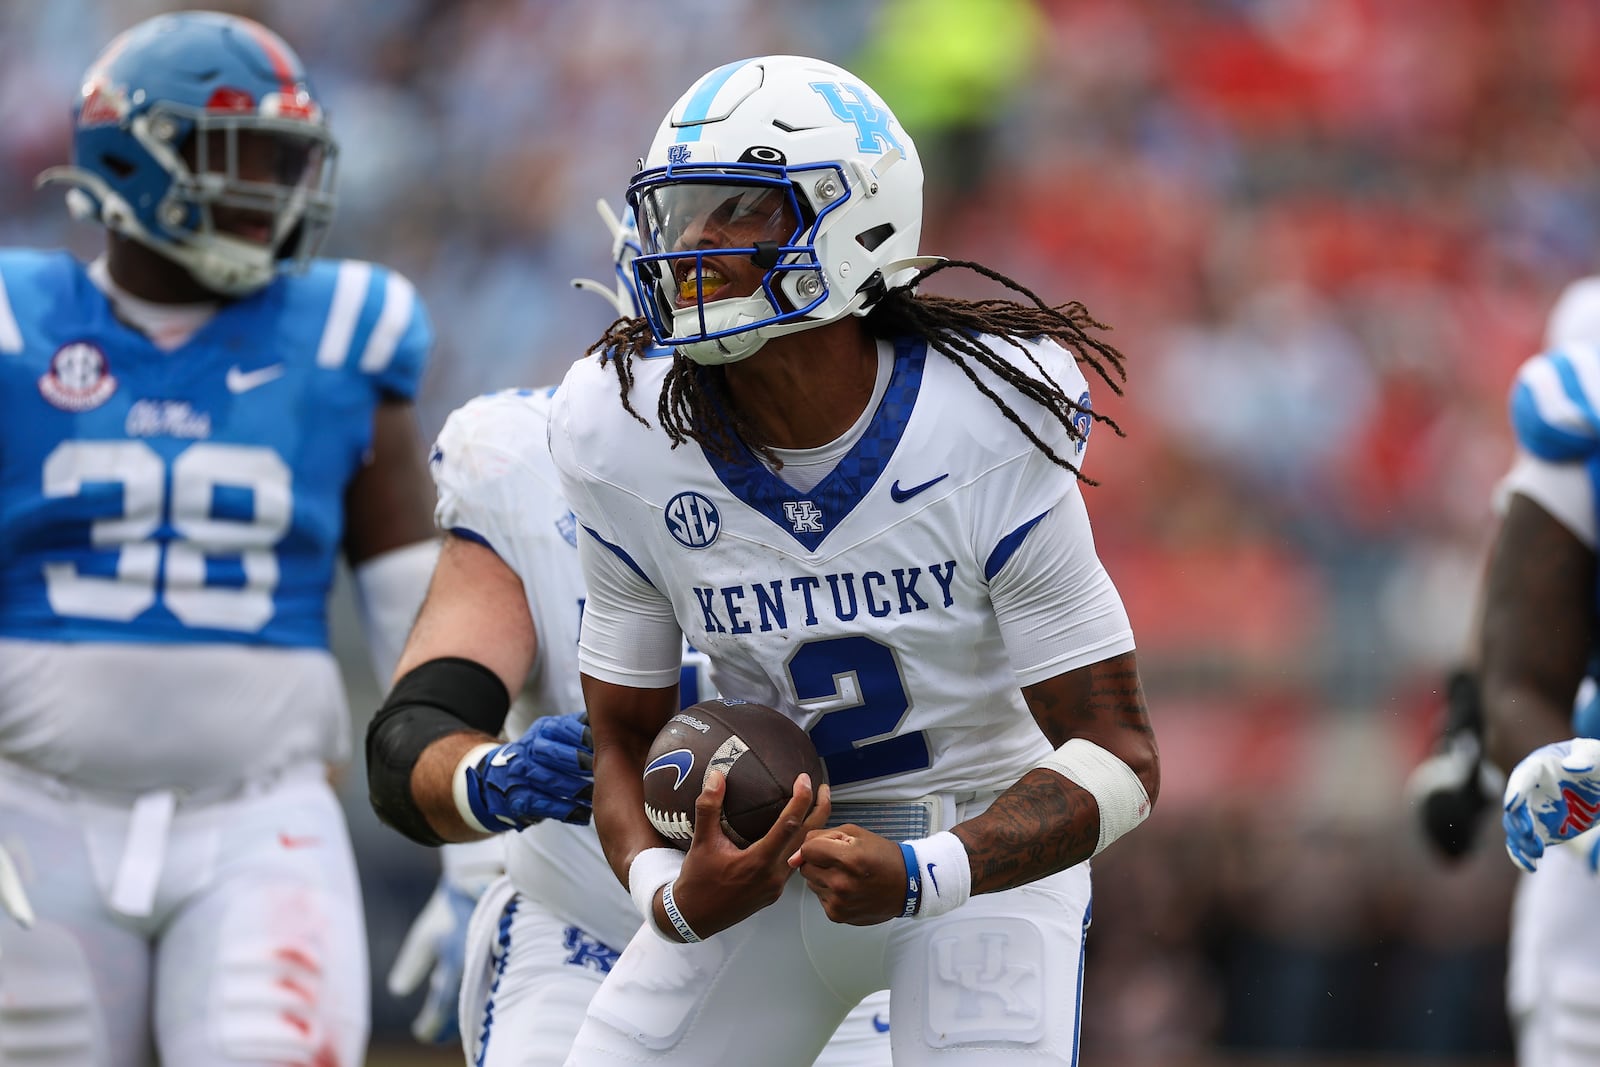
(1325, 233)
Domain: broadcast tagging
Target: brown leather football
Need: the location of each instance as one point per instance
(761, 751)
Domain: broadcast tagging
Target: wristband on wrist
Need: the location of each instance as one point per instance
(913, 880)
(675, 916)
(649, 871)
(943, 871)
(459, 788)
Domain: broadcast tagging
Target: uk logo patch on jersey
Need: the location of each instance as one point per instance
(803, 515)
(567, 527)
(79, 378)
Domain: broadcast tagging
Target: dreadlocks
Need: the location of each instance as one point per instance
(695, 404)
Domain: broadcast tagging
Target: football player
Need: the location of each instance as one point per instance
(502, 616)
(198, 424)
(1540, 631)
(863, 505)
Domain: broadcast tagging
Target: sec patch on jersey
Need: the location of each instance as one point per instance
(759, 750)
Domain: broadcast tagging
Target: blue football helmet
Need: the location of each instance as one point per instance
(197, 135)
(808, 174)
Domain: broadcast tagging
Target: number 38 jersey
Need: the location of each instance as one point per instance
(894, 609)
(191, 500)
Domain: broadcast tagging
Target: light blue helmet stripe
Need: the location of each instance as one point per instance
(699, 105)
(1572, 385)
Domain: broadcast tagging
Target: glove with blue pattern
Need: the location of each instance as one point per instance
(547, 773)
(1552, 795)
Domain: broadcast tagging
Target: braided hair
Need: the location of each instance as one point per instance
(695, 403)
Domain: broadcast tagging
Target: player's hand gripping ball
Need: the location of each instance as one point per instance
(760, 751)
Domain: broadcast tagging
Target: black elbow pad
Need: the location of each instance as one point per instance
(441, 697)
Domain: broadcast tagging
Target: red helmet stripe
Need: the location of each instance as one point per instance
(287, 83)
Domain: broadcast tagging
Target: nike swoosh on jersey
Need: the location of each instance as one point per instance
(242, 381)
(902, 495)
(879, 1023)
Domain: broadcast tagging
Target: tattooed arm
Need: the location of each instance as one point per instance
(1538, 628)
(1045, 822)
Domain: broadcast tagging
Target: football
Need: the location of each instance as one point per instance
(760, 751)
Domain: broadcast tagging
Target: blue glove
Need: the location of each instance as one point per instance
(547, 773)
(435, 947)
(1552, 795)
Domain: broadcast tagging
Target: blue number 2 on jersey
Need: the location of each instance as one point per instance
(856, 683)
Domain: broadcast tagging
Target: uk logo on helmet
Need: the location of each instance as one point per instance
(678, 153)
(871, 122)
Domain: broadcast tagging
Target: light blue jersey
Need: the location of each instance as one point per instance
(194, 495)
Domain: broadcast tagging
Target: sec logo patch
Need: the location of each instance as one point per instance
(693, 520)
(79, 378)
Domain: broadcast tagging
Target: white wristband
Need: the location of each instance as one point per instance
(649, 871)
(675, 917)
(458, 787)
(945, 873)
(1120, 795)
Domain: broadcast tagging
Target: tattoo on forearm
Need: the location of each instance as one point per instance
(1043, 823)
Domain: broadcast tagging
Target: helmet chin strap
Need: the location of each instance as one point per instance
(737, 346)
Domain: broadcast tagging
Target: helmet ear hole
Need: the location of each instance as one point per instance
(116, 165)
(871, 239)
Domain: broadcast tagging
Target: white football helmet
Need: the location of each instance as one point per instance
(802, 154)
(623, 293)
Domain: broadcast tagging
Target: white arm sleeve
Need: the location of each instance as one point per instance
(389, 591)
(1565, 490)
(630, 635)
(1054, 601)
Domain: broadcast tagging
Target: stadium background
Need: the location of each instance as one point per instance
(1325, 231)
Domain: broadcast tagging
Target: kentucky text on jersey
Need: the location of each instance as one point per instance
(742, 609)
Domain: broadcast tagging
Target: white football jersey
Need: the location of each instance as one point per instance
(497, 486)
(893, 610)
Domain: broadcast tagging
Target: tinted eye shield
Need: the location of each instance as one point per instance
(686, 213)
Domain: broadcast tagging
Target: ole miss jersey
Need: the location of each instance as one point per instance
(191, 499)
(193, 495)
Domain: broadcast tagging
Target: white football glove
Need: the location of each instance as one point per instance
(12, 896)
(1552, 795)
(435, 946)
